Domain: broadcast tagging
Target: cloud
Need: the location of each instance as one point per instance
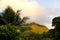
(50, 14)
(31, 9)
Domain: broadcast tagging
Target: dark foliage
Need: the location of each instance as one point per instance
(9, 32)
(9, 16)
(56, 23)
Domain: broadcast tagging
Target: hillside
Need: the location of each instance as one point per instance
(38, 28)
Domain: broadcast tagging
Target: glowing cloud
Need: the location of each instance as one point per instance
(30, 9)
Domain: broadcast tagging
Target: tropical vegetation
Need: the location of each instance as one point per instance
(13, 27)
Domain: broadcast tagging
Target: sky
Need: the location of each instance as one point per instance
(39, 11)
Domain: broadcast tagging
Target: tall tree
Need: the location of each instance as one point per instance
(56, 23)
(12, 17)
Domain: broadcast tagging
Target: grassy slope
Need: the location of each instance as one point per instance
(38, 28)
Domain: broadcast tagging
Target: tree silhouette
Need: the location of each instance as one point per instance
(2, 21)
(12, 17)
(56, 23)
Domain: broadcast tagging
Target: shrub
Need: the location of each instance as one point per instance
(9, 32)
